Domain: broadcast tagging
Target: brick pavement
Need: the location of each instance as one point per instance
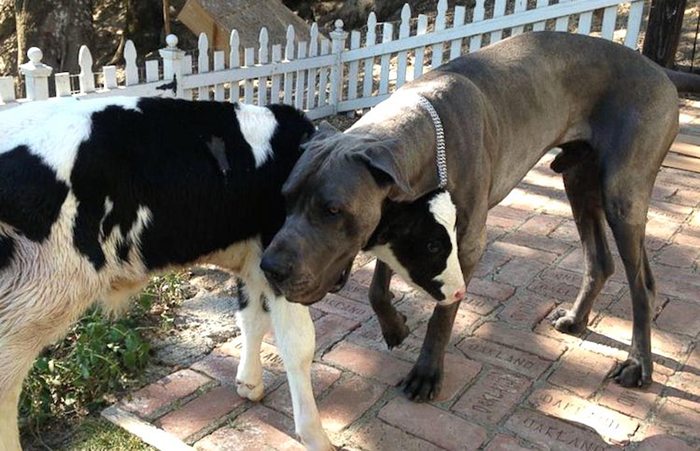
(512, 382)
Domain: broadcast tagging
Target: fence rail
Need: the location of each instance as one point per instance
(326, 76)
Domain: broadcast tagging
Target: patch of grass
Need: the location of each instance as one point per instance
(98, 434)
(98, 357)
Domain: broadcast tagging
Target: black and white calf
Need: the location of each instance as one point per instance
(97, 195)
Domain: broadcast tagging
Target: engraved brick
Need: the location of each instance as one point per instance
(368, 363)
(432, 424)
(635, 402)
(662, 343)
(525, 252)
(489, 262)
(479, 304)
(252, 431)
(538, 241)
(581, 371)
(492, 397)
(678, 256)
(154, 398)
(664, 443)
(517, 361)
(201, 412)
(269, 355)
(545, 347)
(505, 443)
(519, 271)
(459, 371)
(681, 317)
(347, 308)
(377, 435)
(331, 329)
(322, 377)
(679, 419)
(574, 279)
(608, 423)
(527, 309)
(553, 434)
(348, 401)
(541, 224)
(490, 289)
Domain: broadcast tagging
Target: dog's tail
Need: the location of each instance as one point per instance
(684, 81)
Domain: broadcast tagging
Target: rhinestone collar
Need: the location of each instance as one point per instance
(440, 138)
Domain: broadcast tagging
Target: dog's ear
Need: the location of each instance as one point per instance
(324, 130)
(384, 167)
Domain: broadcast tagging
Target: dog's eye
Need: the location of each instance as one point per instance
(332, 210)
(433, 247)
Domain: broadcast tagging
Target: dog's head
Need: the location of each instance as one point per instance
(418, 240)
(334, 197)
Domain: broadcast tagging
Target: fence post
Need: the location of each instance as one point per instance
(36, 75)
(338, 37)
(173, 59)
(86, 77)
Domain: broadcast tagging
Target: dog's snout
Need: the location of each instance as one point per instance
(275, 269)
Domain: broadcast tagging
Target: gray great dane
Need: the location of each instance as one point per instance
(612, 112)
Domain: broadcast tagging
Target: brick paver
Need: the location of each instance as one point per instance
(512, 382)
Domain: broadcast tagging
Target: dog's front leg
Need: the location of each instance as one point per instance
(391, 321)
(296, 341)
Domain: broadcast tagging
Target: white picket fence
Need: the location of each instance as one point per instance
(325, 76)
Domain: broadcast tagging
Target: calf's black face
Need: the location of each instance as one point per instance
(334, 199)
(418, 241)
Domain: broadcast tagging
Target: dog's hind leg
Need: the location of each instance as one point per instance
(628, 170)
(254, 323)
(391, 321)
(582, 182)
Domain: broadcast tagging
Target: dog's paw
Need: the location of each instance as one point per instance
(423, 383)
(566, 323)
(394, 336)
(254, 392)
(631, 373)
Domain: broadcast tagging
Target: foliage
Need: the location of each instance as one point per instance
(99, 356)
(97, 434)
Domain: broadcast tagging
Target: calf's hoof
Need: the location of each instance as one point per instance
(423, 383)
(631, 373)
(254, 392)
(316, 441)
(566, 323)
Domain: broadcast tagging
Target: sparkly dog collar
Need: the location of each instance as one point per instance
(440, 138)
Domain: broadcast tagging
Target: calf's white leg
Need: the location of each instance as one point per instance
(296, 340)
(254, 323)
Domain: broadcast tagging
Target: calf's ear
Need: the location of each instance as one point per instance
(383, 165)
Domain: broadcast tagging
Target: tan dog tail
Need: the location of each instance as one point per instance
(684, 81)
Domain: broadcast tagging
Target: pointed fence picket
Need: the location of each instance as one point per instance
(404, 32)
(324, 76)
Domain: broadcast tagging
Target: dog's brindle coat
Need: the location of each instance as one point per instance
(613, 113)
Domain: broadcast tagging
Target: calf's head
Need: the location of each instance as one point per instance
(418, 240)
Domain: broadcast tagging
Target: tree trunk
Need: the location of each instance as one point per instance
(58, 30)
(143, 26)
(664, 31)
